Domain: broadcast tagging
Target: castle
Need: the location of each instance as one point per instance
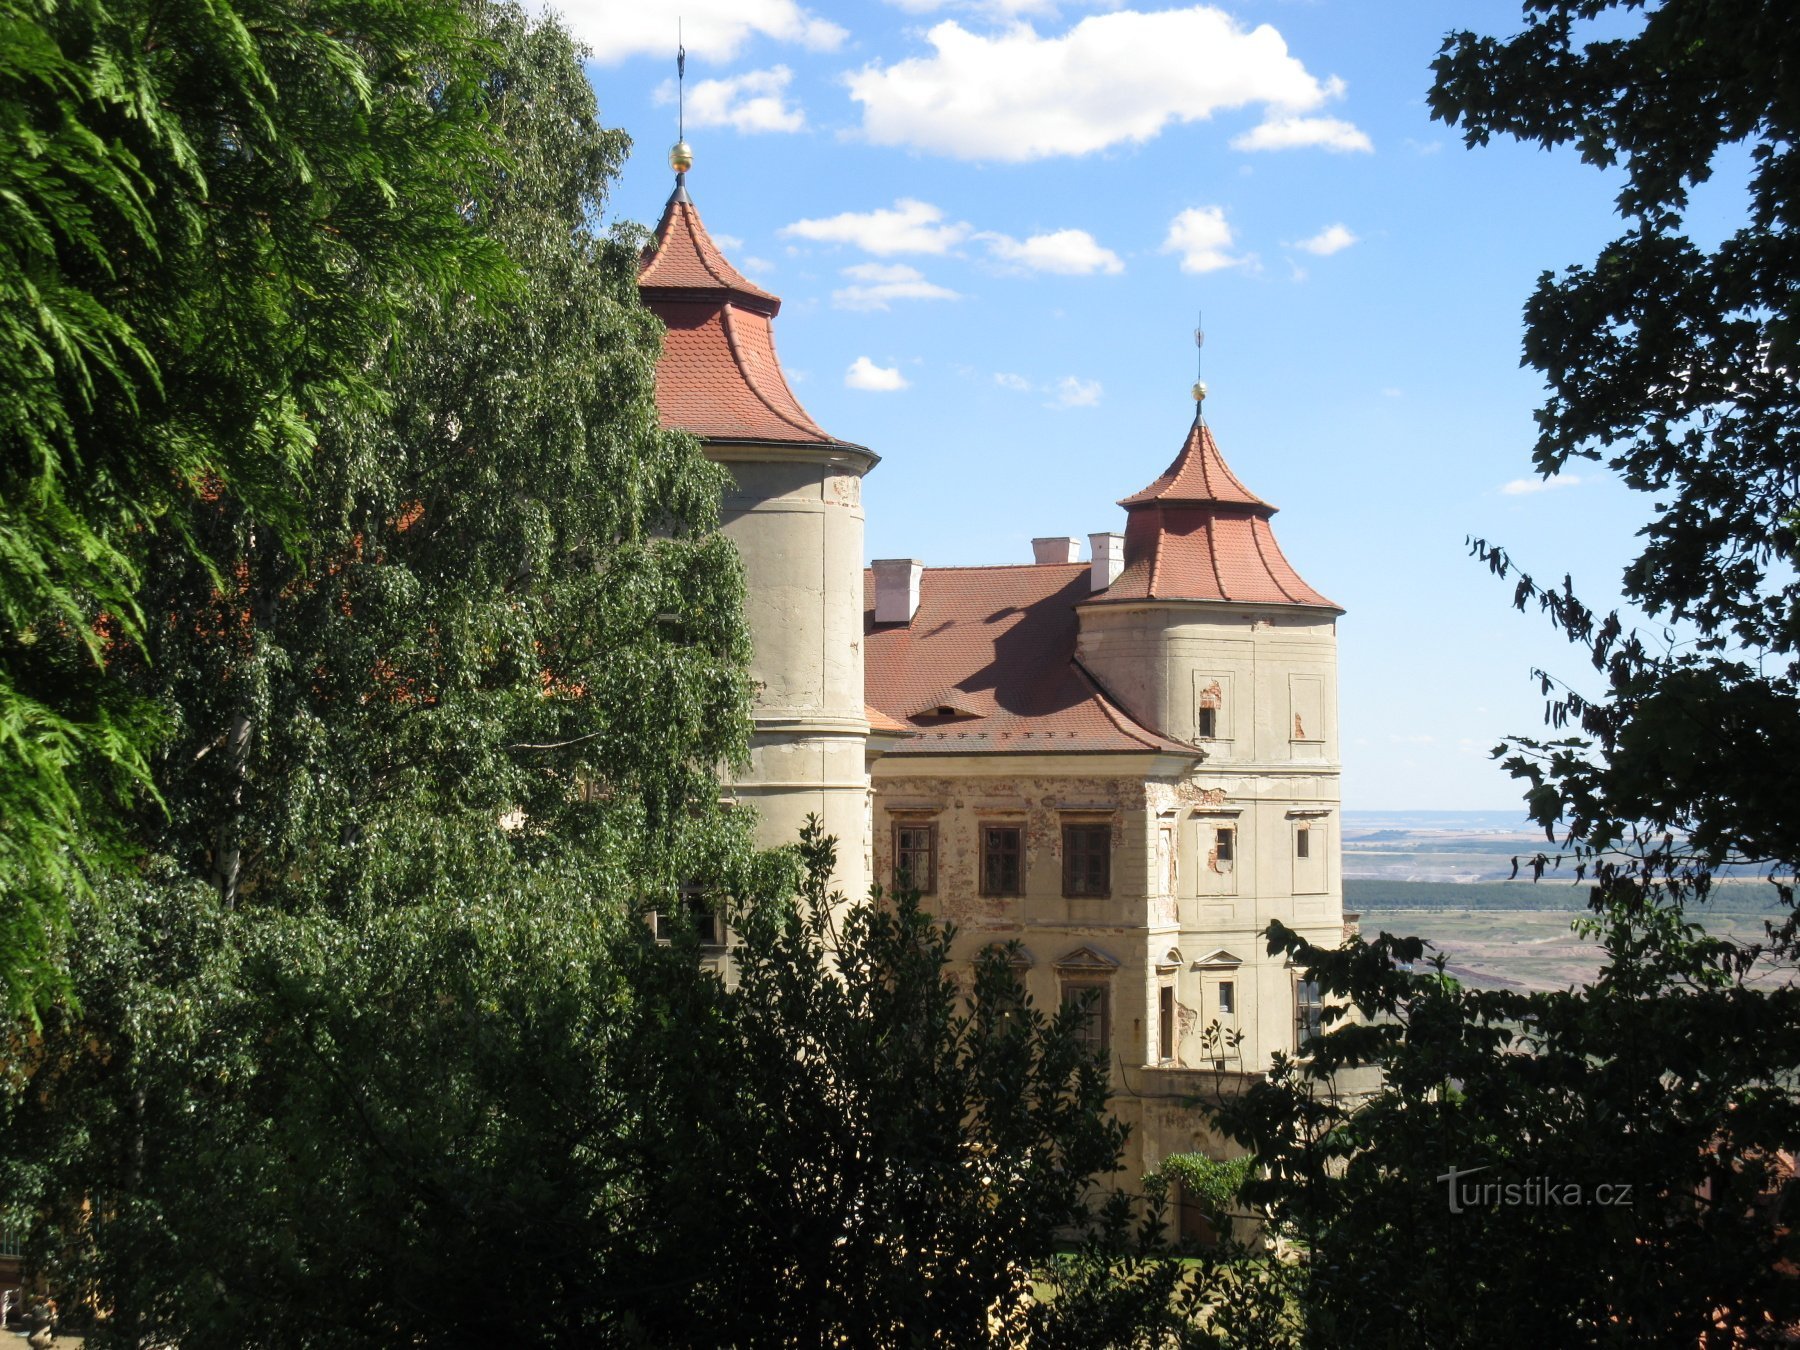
(1128, 765)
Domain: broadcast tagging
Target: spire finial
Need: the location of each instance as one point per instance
(681, 155)
(1199, 364)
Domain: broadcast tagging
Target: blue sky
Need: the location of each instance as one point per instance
(992, 225)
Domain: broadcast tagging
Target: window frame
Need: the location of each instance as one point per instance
(1307, 1013)
(1165, 1023)
(987, 888)
(1070, 829)
(1101, 1012)
(1206, 723)
(1225, 843)
(1303, 840)
(927, 885)
(1226, 998)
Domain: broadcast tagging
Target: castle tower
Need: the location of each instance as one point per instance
(794, 511)
(1203, 593)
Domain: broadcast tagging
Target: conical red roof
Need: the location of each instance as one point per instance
(1198, 474)
(718, 376)
(1197, 533)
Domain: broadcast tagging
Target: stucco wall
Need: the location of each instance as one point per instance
(796, 518)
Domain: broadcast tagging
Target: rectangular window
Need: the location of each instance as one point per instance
(1227, 998)
(1095, 1024)
(1209, 724)
(1306, 1013)
(915, 857)
(1303, 842)
(1165, 1024)
(1225, 843)
(1087, 859)
(1002, 860)
(707, 923)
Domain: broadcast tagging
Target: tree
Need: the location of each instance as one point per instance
(210, 215)
(1438, 1211)
(1673, 363)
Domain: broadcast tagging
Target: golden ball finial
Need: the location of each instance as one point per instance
(681, 157)
(1199, 391)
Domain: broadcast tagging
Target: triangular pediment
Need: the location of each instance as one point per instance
(1218, 957)
(1087, 958)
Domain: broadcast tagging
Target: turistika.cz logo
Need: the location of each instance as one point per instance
(1536, 1192)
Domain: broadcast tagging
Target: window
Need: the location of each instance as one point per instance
(1225, 843)
(1306, 1013)
(915, 857)
(1095, 1024)
(701, 913)
(1165, 1024)
(1227, 998)
(1002, 860)
(1087, 859)
(1209, 724)
(1303, 842)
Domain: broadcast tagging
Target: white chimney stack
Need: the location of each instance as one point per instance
(1061, 548)
(1108, 553)
(896, 589)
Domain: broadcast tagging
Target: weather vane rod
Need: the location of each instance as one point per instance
(1199, 361)
(680, 85)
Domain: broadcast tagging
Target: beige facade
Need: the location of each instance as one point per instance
(1205, 850)
(795, 515)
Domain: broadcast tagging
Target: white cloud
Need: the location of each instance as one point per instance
(909, 226)
(1074, 392)
(1520, 487)
(1303, 133)
(729, 242)
(879, 283)
(1000, 8)
(1202, 238)
(712, 30)
(1120, 77)
(762, 266)
(1332, 239)
(753, 101)
(865, 374)
(1017, 383)
(1074, 253)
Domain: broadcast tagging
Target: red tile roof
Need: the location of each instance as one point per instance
(1199, 474)
(998, 643)
(880, 724)
(1197, 533)
(718, 376)
(685, 258)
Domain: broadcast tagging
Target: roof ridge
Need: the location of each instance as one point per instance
(750, 381)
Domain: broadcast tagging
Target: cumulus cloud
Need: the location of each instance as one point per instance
(1520, 487)
(1074, 253)
(1017, 383)
(1332, 239)
(1007, 9)
(1303, 133)
(1202, 237)
(713, 30)
(877, 284)
(909, 226)
(866, 375)
(1121, 77)
(1072, 391)
(754, 101)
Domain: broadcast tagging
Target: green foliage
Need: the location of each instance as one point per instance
(1667, 1082)
(1212, 1184)
(1671, 362)
(210, 214)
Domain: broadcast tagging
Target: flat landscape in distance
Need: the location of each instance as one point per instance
(1442, 876)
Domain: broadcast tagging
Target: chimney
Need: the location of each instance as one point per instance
(1108, 552)
(1061, 548)
(896, 588)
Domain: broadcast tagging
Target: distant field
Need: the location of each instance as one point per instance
(1441, 875)
(1366, 895)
